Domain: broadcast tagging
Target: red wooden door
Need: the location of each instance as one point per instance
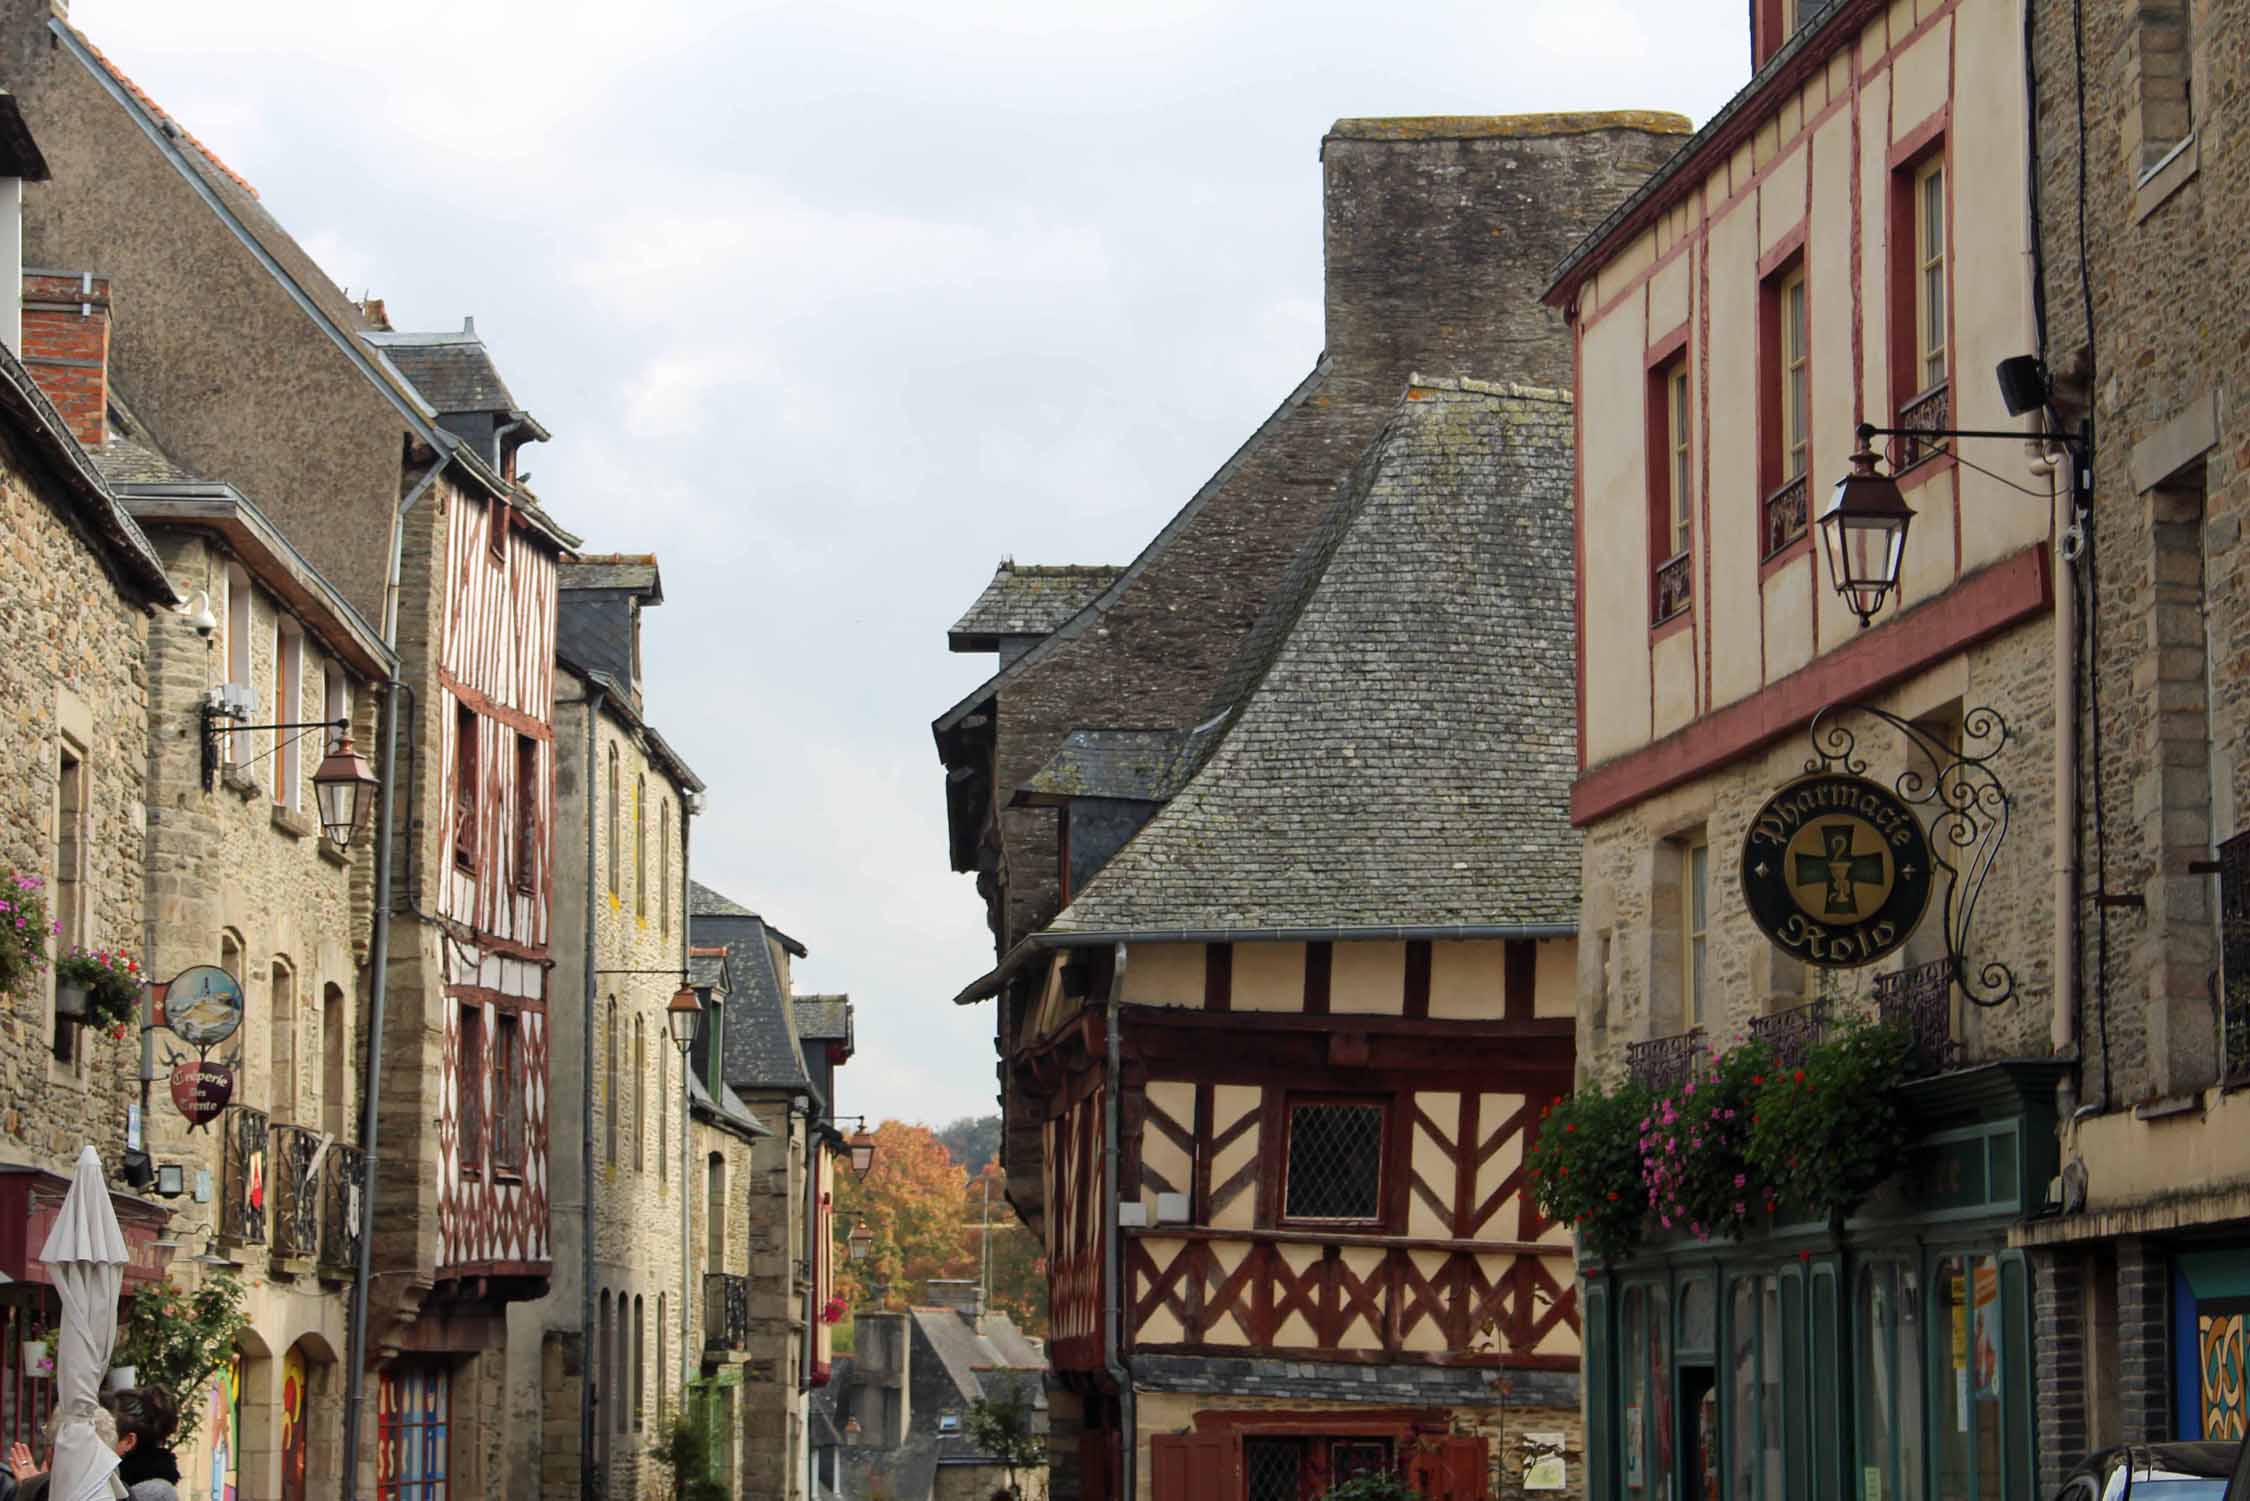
(1452, 1469)
(1195, 1467)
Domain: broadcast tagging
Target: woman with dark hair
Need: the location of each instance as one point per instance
(147, 1417)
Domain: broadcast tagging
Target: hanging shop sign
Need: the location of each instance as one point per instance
(1836, 869)
(201, 1090)
(203, 1004)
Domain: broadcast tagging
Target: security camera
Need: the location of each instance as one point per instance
(199, 615)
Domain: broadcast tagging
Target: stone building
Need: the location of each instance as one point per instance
(241, 876)
(665, 1193)
(80, 587)
(779, 1056)
(1132, 703)
(389, 460)
(2139, 1296)
(1843, 243)
(899, 1403)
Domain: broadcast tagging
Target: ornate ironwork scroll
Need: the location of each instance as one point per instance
(1664, 1063)
(1930, 412)
(242, 1176)
(1785, 518)
(1789, 1035)
(1961, 796)
(1675, 587)
(296, 1202)
(1920, 1000)
(726, 1311)
(340, 1195)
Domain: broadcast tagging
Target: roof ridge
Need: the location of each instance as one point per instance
(171, 121)
(1471, 385)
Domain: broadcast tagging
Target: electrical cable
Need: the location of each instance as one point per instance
(2092, 574)
(1967, 463)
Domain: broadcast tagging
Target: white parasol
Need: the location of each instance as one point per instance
(85, 1254)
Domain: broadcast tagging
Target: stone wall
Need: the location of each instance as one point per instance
(236, 879)
(73, 670)
(773, 1408)
(1630, 949)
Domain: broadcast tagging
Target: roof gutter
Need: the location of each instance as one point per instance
(990, 984)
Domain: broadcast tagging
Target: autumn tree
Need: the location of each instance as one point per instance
(911, 1200)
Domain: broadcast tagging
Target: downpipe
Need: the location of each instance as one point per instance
(1113, 1237)
(589, 1483)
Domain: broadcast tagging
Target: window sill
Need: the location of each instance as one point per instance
(291, 822)
(1774, 562)
(2175, 171)
(333, 855)
(240, 782)
(1672, 624)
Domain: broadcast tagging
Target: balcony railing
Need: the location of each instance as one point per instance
(1930, 412)
(1785, 519)
(1920, 998)
(1789, 1035)
(1664, 1063)
(296, 1197)
(726, 1311)
(1673, 587)
(244, 1138)
(341, 1186)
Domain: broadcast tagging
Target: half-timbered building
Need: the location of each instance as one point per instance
(1308, 1015)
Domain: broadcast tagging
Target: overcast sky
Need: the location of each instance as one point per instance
(830, 306)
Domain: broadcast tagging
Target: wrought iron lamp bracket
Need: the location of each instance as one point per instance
(1959, 793)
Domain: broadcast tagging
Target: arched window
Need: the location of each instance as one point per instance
(621, 1379)
(230, 954)
(664, 863)
(603, 1390)
(616, 844)
(640, 847)
(640, 1361)
(663, 1117)
(281, 1024)
(715, 1213)
(663, 1368)
(335, 1064)
(609, 1094)
(640, 1095)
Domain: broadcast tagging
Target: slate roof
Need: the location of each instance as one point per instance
(1399, 746)
(728, 1109)
(824, 1018)
(969, 1352)
(761, 1049)
(1135, 764)
(1026, 599)
(636, 573)
(707, 968)
(452, 371)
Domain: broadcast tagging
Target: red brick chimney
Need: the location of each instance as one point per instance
(66, 346)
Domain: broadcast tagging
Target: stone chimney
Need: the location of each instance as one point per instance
(1440, 232)
(965, 1296)
(66, 346)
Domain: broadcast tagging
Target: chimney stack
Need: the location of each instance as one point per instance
(964, 1295)
(66, 346)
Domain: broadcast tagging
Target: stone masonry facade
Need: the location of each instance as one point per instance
(73, 669)
(236, 878)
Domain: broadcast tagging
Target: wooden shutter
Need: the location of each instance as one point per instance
(1451, 1469)
(1195, 1467)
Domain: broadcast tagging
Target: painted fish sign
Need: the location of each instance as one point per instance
(203, 1004)
(1836, 869)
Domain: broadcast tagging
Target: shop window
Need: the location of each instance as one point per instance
(1755, 1444)
(1891, 1419)
(507, 1092)
(1645, 1353)
(1973, 1374)
(1335, 1167)
(413, 1429)
(468, 1089)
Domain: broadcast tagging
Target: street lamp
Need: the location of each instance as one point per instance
(684, 1018)
(1863, 532)
(344, 784)
(860, 1242)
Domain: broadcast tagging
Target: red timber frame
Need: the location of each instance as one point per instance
(1366, 1294)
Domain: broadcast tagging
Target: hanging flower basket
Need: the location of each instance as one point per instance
(1828, 1133)
(832, 1312)
(1585, 1169)
(1694, 1146)
(106, 984)
(24, 927)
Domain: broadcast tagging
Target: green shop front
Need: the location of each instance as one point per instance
(1885, 1358)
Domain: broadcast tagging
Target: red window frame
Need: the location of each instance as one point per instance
(1668, 362)
(468, 1089)
(1910, 157)
(465, 736)
(507, 1124)
(1784, 265)
(527, 813)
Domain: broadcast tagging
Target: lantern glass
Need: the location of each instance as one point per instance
(1863, 537)
(863, 1153)
(171, 1180)
(685, 1018)
(344, 786)
(860, 1242)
